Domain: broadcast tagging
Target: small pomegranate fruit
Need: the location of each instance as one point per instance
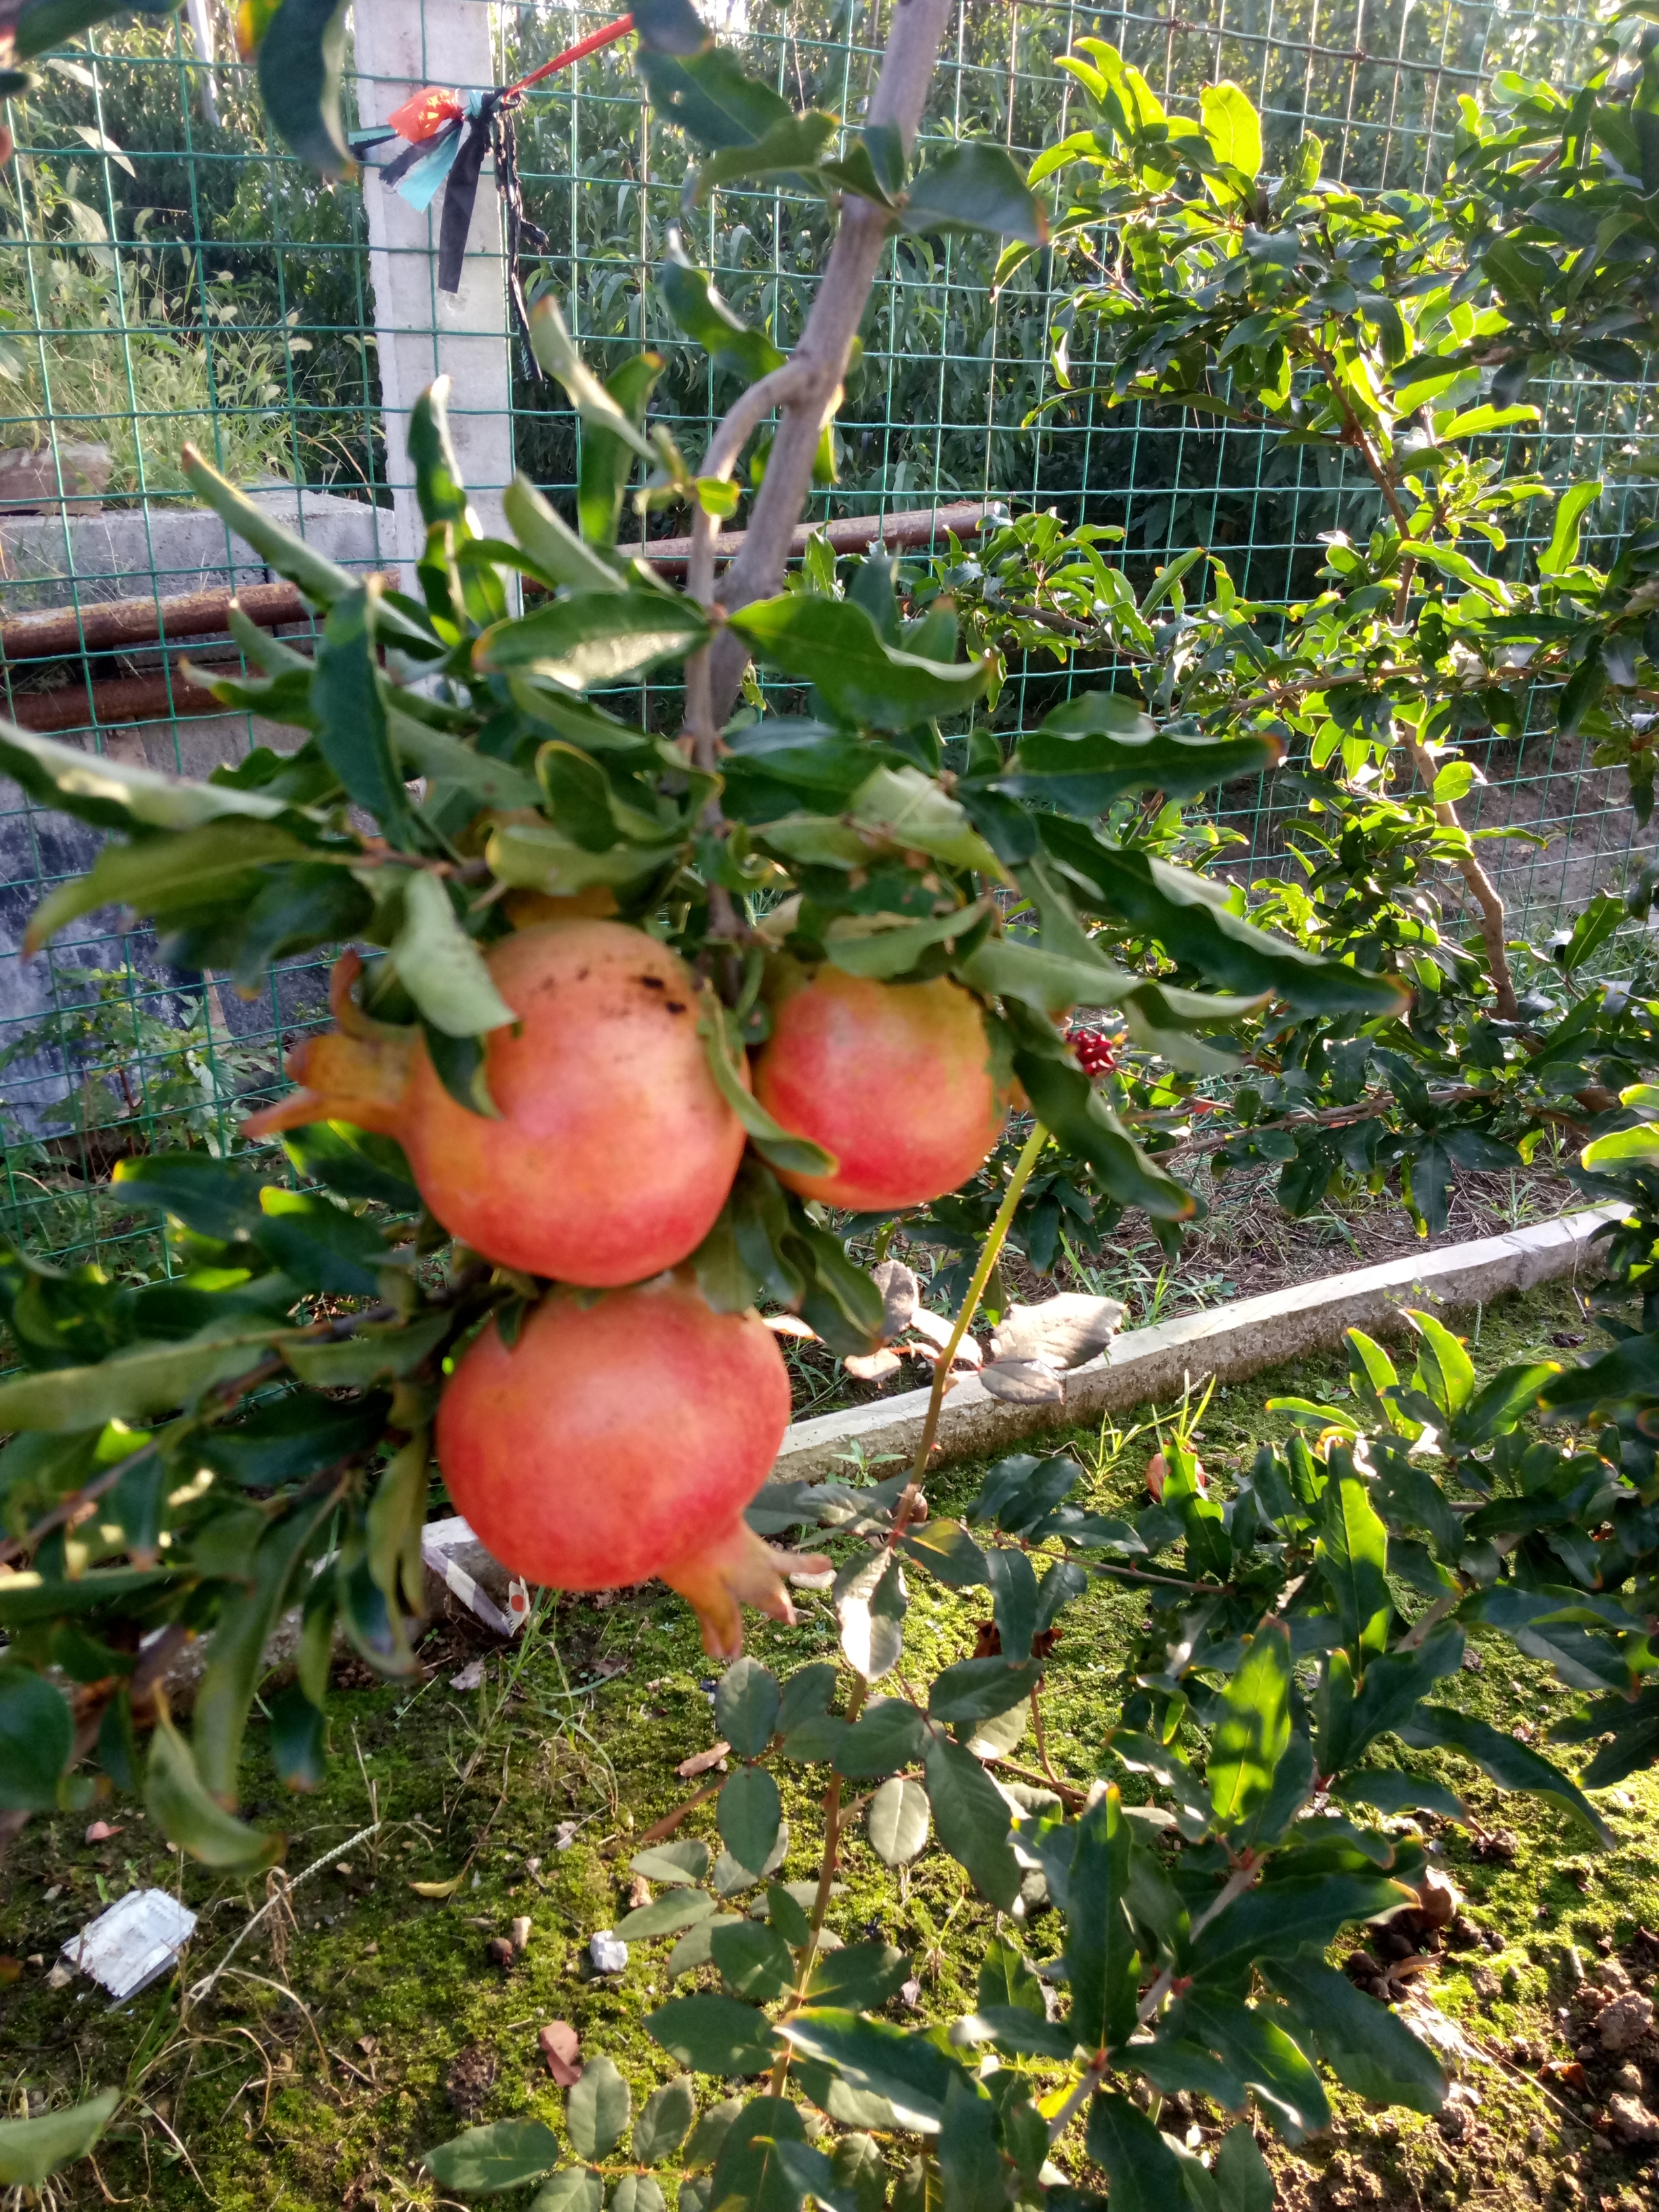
(895, 1080)
(622, 1440)
(1158, 1470)
(613, 1152)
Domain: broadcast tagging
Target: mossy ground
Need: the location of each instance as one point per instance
(327, 2060)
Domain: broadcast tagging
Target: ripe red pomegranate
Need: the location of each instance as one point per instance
(895, 1080)
(614, 1149)
(622, 1440)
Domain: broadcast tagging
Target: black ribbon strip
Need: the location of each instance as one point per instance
(461, 194)
(521, 233)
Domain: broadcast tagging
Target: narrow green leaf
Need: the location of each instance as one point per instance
(750, 1811)
(1252, 1731)
(1101, 1955)
(973, 1820)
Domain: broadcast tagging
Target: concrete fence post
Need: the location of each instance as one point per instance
(421, 333)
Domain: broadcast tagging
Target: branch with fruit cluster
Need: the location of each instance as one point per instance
(570, 1127)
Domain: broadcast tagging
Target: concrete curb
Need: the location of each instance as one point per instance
(1230, 1342)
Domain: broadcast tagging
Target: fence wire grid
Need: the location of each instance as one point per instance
(169, 272)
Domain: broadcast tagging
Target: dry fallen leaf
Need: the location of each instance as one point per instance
(438, 1888)
(562, 2049)
(701, 1761)
(871, 1366)
(100, 1831)
(790, 1325)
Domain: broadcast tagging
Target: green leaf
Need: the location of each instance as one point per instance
(441, 967)
(897, 1821)
(834, 645)
(215, 1198)
(746, 1706)
(319, 1244)
(711, 97)
(115, 794)
(162, 875)
(1500, 1757)
(909, 809)
(37, 1735)
(749, 1812)
(972, 1818)
(1395, 1684)
(1143, 2172)
(607, 458)
(1101, 1955)
(153, 1379)
(908, 2073)
(450, 766)
(32, 2151)
(1187, 916)
(503, 2155)
(979, 1689)
(1255, 2048)
(322, 581)
(685, 1860)
(175, 1799)
(788, 149)
(750, 2171)
(665, 2121)
(571, 2188)
(381, 1352)
(969, 2158)
(859, 1977)
(1241, 2175)
(1562, 551)
(666, 1916)
(1353, 1558)
(352, 733)
(298, 1739)
(1445, 1372)
(592, 638)
(702, 314)
(552, 545)
(597, 2109)
(638, 2192)
(1083, 772)
(753, 1958)
(299, 60)
(888, 1734)
(1276, 1921)
(1232, 127)
(975, 186)
(556, 350)
(1368, 2047)
(1251, 1732)
(235, 1654)
(713, 2034)
(439, 491)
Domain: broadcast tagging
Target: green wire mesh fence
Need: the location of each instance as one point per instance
(167, 272)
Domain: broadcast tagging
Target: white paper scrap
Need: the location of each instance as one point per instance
(134, 1943)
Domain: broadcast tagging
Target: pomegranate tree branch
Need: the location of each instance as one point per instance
(987, 1259)
(1486, 892)
(897, 103)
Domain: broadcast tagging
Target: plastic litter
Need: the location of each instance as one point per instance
(134, 1943)
(460, 1562)
(608, 1952)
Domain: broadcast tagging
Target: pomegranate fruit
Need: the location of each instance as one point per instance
(621, 1439)
(613, 1150)
(895, 1080)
